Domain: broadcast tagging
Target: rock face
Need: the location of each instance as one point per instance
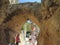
(50, 26)
(46, 15)
(3, 13)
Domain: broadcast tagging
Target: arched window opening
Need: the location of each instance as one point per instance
(29, 33)
(23, 1)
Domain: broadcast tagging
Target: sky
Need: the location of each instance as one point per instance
(22, 1)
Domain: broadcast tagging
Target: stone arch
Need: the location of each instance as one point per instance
(18, 20)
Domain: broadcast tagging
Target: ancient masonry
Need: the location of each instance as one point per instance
(46, 15)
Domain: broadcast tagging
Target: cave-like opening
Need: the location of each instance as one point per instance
(28, 34)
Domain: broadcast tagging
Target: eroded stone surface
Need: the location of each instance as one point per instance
(46, 15)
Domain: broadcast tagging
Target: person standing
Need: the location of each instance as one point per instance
(17, 39)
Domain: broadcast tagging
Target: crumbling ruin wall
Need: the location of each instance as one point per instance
(46, 17)
(51, 24)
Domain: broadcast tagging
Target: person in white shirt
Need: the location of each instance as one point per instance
(33, 39)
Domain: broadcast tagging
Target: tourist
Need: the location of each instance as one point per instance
(17, 39)
(33, 39)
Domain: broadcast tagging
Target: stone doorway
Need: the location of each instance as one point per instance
(18, 21)
(29, 33)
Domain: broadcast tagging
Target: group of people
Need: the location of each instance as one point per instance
(31, 39)
(20, 39)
